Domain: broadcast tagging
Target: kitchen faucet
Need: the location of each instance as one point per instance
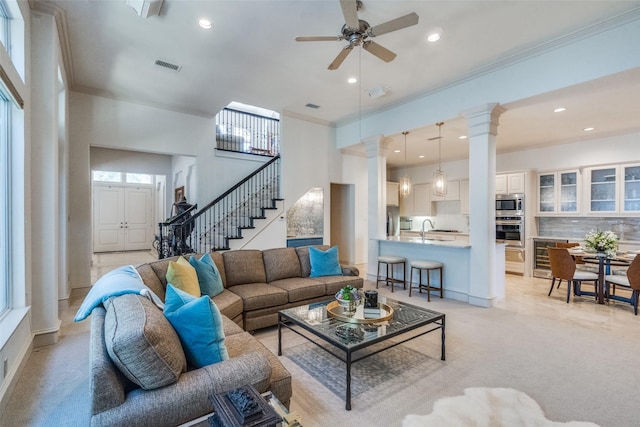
(432, 227)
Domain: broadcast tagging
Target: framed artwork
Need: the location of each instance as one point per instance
(179, 194)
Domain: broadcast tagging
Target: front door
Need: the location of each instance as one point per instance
(122, 218)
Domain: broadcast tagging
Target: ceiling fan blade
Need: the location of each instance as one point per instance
(350, 12)
(381, 52)
(394, 24)
(340, 58)
(319, 39)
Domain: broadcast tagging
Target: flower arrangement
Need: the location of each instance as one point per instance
(602, 241)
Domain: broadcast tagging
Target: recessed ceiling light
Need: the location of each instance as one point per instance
(588, 129)
(421, 156)
(205, 23)
(396, 151)
(434, 35)
(462, 137)
(352, 80)
(559, 110)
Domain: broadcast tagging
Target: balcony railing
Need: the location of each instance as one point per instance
(247, 133)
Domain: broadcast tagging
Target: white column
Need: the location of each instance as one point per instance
(486, 284)
(377, 150)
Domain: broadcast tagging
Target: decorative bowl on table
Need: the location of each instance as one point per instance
(349, 299)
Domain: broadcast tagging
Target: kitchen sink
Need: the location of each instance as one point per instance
(437, 230)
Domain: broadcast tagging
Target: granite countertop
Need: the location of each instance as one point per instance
(420, 241)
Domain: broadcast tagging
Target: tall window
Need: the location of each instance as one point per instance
(4, 203)
(11, 136)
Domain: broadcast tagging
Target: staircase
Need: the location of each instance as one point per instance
(231, 217)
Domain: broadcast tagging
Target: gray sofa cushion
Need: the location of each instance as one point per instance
(244, 266)
(303, 257)
(300, 288)
(142, 343)
(260, 295)
(281, 263)
(335, 283)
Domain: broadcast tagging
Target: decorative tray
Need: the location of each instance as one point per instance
(334, 309)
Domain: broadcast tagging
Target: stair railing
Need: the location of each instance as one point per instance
(223, 219)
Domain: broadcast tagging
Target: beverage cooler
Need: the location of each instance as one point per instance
(541, 266)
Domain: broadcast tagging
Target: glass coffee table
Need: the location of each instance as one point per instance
(349, 335)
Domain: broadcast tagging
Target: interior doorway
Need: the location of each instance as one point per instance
(343, 221)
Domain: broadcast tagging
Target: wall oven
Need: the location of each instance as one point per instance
(510, 230)
(509, 204)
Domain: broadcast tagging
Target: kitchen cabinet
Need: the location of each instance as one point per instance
(558, 192)
(418, 203)
(614, 189)
(630, 178)
(422, 200)
(407, 203)
(453, 192)
(464, 197)
(603, 191)
(510, 183)
(393, 193)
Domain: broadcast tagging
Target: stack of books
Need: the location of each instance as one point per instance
(371, 312)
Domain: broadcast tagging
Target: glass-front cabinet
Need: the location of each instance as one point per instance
(558, 192)
(631, 188)
(603, 190)
(614, 189)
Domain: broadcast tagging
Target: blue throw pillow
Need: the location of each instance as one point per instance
(199, 325)
(208, 275)
(324, 263)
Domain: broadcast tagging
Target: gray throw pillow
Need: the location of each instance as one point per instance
(142, 343)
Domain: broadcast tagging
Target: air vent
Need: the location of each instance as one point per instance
(168, 65)
(314, 106)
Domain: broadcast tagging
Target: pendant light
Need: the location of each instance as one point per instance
(405, 182)
(439, 176)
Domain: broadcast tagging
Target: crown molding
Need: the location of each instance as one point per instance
(60, 17)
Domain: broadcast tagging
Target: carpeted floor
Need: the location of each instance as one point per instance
(577, 361)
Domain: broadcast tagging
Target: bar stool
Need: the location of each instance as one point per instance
(428, 266)
(392, 261)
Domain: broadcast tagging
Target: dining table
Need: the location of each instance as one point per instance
(604, 262)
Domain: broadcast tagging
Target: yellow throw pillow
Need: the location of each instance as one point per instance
(183, 276)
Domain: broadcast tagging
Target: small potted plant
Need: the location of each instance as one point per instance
(349, 299)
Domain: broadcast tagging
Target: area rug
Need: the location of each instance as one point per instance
(380, 375)
(487, 407)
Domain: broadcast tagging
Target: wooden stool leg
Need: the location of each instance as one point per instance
(378, 275)
(404, 276)
(441, 287)
(420, 282)
(390, 278)
(428, 285)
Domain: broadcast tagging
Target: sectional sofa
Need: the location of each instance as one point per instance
(257, 284)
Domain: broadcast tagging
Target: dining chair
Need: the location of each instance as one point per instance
(567, 245)
(563, 266)
(630, 281)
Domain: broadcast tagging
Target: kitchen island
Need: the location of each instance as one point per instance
(454, 254)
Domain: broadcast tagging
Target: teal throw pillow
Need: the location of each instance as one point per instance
(199, 326)
(208, 275)
(324, 263)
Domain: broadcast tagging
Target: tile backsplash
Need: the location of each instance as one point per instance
(627, 229)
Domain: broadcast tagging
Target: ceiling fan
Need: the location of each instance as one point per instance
(356, 31)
